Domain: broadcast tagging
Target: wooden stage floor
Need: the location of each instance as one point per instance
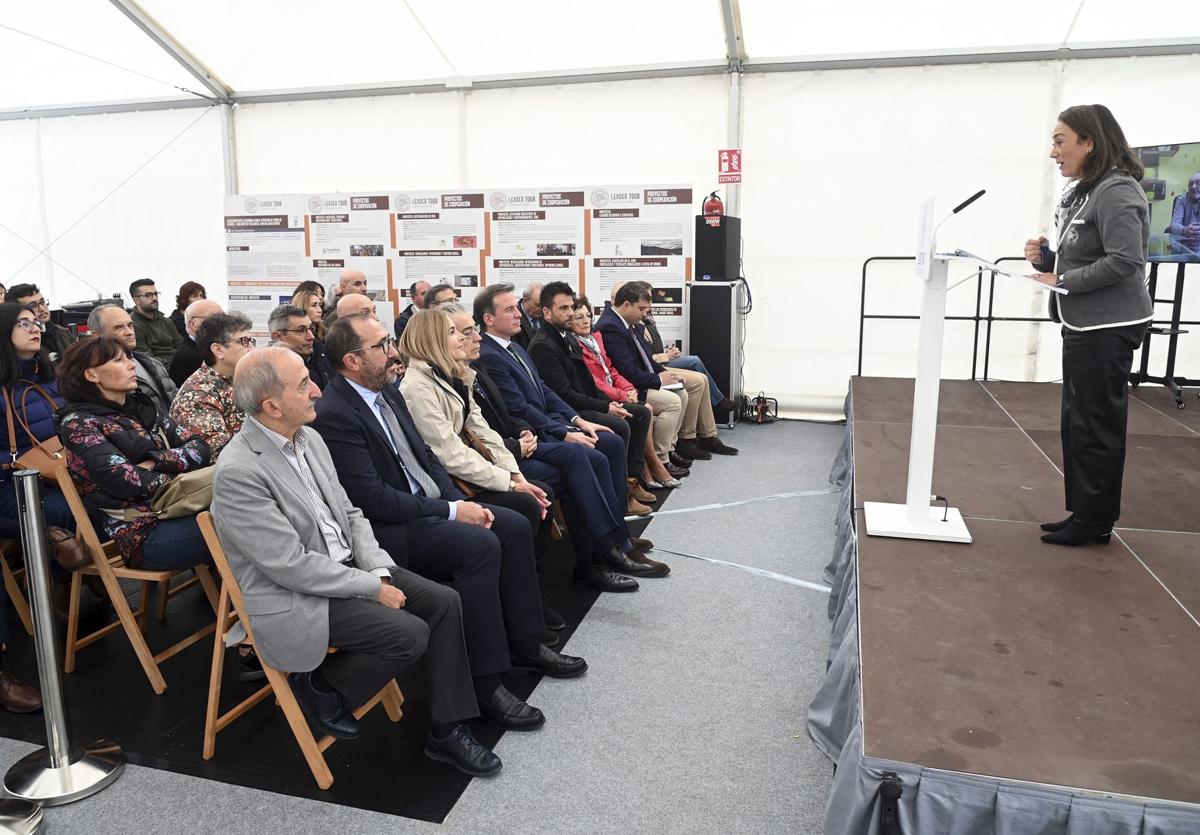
(1075, 667)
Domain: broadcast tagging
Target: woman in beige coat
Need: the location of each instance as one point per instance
(437, 388)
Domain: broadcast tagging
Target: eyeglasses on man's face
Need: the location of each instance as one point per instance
(40, 301)
(30, 325)
(244, 341)
(387, 344)
(303, 330)
(151, 295)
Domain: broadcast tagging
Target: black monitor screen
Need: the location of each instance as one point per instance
(1172, 184)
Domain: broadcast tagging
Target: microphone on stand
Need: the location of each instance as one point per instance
(959, 208)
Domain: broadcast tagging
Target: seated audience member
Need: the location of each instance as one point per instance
(189, 293)
(121, 448)
(312, 302)
(313, 575)
(3, 293)
(1184, 228)
(438, 295)
(426, 524)
(350, 281)
(356, 304)
(56, 338)
(571, 448)
(205, 406)
(15, 695)
(291, 328)
(416, 294)
(630, 353)
(187, 358)
(559, 361)
(112, 321)
(531, 315)
(657, 469)
(30, 393)
(672, 357)
(155, 333)
(437, 391)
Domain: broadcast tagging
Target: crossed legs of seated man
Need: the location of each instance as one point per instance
(492, 569)
(697, 428)
(582, 478)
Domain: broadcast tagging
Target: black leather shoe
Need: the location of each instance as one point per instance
(678, 460)
(460, 750)
(510, 713)
(548, 638)
(617, 561)
(724, 409)
(326, 710)
(714, 445)
(553, 619)
(249, 667)
(691, 449)
(1057, 526)
(1080, 533)
(549, 663)
(677, 472)
(602, 579)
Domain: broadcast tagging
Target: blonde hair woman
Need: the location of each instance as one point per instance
(313, 304)
(437, 388)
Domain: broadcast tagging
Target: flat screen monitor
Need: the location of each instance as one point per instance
(1172, 184)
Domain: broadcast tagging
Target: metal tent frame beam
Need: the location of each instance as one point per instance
(175, 49)
(880, 60)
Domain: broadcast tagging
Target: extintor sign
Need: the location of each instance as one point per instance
(729, 165)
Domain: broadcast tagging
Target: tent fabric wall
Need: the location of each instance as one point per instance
(836, 164)
(165, 222)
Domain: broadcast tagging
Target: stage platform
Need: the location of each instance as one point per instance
(1010, 684)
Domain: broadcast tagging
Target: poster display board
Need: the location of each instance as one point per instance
(590, 237)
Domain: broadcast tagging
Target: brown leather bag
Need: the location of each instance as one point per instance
(44, 456)
(476, 443)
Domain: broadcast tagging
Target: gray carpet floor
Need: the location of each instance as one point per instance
(690, 719)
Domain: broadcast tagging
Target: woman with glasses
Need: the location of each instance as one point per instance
(29, 396)
(122, 448)
(205, 406)
(191, 291)
(608, 380)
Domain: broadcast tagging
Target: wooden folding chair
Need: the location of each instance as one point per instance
(12, 585)
(108, 565)
(277, 682)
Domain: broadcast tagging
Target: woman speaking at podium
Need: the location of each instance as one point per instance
(1103, 227)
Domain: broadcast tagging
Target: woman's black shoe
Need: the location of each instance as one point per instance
(1080, 533)
(1057, 526)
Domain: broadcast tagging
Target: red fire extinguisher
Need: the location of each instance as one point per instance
(713, 206)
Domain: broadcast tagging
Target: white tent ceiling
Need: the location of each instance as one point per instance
(80, 52)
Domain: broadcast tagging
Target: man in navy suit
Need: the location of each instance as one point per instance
(426, 524)
(565, 440)
(624, 340)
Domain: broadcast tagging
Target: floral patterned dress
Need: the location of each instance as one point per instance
(105, 443)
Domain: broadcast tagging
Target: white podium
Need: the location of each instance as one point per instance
(916, 518)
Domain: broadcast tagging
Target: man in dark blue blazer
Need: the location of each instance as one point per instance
(630, 354)
(426, 524)
(565, 440)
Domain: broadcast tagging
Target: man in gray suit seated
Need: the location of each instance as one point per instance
(314, 577)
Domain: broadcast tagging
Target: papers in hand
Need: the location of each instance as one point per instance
(988, 265)
(671, 386)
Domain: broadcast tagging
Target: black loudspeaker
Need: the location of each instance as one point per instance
(718, 248)
(715, 330)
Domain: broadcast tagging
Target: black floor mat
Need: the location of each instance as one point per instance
(108, 697)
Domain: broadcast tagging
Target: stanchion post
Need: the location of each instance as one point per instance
(60, 772)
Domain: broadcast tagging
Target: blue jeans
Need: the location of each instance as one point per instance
(175, 544)
(693, 363)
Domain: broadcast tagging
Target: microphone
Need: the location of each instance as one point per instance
(968, 201)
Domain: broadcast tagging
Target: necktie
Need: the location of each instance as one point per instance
(637, 340)
(517, 357)
(408, 459)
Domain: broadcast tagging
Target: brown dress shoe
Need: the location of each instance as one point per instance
(636, 491)
(636, 508)
(641, 543)
(661, 569)
(18, 697)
